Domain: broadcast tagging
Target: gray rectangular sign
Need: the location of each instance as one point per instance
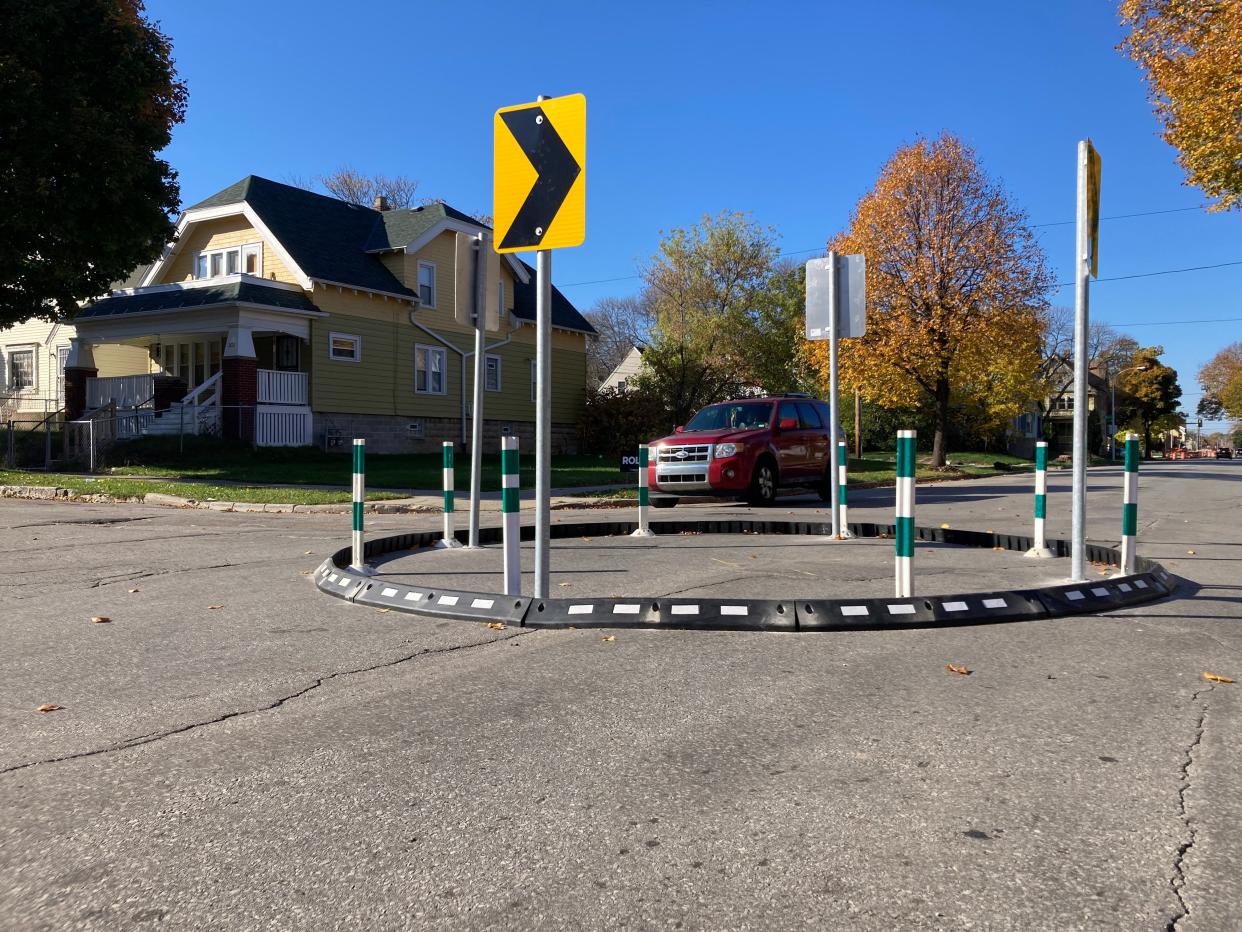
(851, 297)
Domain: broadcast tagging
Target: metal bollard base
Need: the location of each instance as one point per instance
(643, 532)
(448, 544)
(1039, 553)
(844, 535)
(366, 570)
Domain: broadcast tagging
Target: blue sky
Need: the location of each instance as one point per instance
(785, 110)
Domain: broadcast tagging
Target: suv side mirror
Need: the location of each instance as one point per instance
(679, 429)
(788, 423)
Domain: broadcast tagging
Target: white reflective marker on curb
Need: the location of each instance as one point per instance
(357, 560)
(643, 493)
(1039, 547)
(1129, 507)
(510, 507)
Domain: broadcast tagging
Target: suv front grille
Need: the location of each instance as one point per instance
(696, 453)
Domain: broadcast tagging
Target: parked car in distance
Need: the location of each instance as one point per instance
(748, 448)
(1237, 454)
(1224, 453)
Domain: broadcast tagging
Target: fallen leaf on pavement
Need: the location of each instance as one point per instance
(49, 707)
(308, 553)
(565, 585)
(496, 626)
(383, 611)
(609, 637)
(1217, 678)
(1191, 552)
(100, 620)
(945, 525)
(131, 590)
(587, 539)
(960, 671)
(212, 608)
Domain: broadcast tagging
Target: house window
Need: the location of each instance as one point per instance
(429, 370)
(62, 359)
(344, 347)
(21, 370)
(500, 287)
(216, 262)
(1063, 403)
(287, 353)
(252, 259)
(427, 283)
(491, 374)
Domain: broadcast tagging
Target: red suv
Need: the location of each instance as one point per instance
(747, 448)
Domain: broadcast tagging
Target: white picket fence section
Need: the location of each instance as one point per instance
(128, 391)
(283, 388)
(283, 426)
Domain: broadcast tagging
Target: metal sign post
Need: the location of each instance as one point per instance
(834, 415)
(481, 247)
(1085, 263)
(540, 203)
(836, 307)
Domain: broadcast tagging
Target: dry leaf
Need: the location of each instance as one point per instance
(1191, 552)
(945, 525)
(309, 552)
(49, 707)
(564, 585)
(753, 556)
(609, 637)
(131, 590)
(100, 620)
(212, 608)
(587, 539)
(960, 671)
(496, 626)
(1217, 678)
(383, 611)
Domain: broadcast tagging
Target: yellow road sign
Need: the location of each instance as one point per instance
(1093, 208)
(540, 174)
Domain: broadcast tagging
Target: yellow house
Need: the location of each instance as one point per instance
(286, 317)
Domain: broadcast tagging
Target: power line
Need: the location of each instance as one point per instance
(1146, 213)
(820, 249)
(1122, 278)
(1175, 323)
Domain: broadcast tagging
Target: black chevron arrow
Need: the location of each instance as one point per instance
(557, 170)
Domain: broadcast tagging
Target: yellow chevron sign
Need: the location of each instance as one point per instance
(539, 183)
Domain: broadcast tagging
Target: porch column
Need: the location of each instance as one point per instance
(238, 385)
(79, 367)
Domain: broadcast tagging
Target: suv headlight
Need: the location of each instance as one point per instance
(728, 449)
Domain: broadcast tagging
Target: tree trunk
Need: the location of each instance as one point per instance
(940, 443)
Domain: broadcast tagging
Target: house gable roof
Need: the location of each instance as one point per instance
(326, 237)
(564, 314)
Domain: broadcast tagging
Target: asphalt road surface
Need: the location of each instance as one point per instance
(236, 750)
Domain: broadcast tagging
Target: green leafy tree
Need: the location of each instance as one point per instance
(88, 97)
(701, 287)
(1151, 393)
(771, 339)
(1221, 378)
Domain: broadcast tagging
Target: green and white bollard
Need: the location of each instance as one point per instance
(644, 493)
(1129, 507)
(510, 507)
(358, 558)
(1039, 547)
(843, 509)
(905, 514)
(450, 495)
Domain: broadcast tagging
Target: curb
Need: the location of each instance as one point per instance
(335, 577)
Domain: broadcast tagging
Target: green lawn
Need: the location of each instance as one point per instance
(199, 491)
(292, 467)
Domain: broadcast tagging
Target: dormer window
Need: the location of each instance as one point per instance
(213, 263)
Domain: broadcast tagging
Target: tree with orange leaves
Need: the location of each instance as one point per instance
(955, 286)
(1191, 51)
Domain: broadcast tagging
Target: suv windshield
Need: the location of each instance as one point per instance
(742, 415)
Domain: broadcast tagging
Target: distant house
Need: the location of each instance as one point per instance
(622, 376)
(284, 317)
(1052, 418)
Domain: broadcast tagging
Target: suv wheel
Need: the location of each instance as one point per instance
(763, 484)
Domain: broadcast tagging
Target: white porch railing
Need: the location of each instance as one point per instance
(283, 388)
(282, 426)
(128, 391)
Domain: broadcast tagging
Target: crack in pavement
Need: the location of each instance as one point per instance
(1178, 880)
(152, 737)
